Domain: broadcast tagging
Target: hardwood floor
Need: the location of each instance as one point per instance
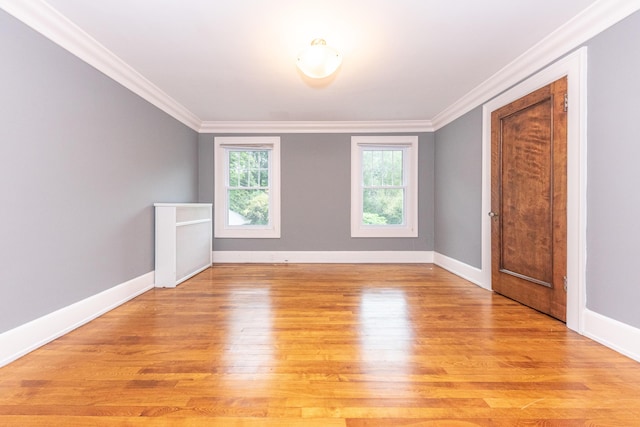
(322, 345)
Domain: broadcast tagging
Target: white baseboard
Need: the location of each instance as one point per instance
(616, 335)
(19, 341)
(472, 274)
(329, 257)
(611, 333)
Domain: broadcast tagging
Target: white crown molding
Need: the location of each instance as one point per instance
(317, 126)
(592, 21)
(44, 19)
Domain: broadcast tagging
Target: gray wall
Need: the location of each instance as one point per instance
(613, 176)
(458, 189)
(613, 196)
(316, 188)
(83, 160)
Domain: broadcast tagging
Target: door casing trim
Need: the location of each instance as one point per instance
(574, 66)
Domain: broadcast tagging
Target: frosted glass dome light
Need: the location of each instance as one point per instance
(319, 60)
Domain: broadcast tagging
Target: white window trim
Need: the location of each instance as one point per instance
(410, 228)
(220, 200)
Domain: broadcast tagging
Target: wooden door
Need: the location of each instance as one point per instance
(528, 199)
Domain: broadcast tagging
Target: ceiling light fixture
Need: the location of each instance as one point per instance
(319, 60)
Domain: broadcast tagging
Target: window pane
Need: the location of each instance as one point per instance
(397, 168)
(234, 169)
(237, 160)
(248, 168)
(382, 168)
(255, 178)
(264, 160)
(247, 187)
(383, 206)
(233, 178)
(367, 166)
(377, 168)
(248, 207)
(387, 167)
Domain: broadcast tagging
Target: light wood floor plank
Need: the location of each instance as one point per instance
(322, 345)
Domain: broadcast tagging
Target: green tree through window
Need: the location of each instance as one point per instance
(384, 186)
(248, 185)
(383, 197)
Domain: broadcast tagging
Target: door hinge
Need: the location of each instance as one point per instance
(564, 281)
(566, 102)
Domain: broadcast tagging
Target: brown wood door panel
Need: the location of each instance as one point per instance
(529, 196)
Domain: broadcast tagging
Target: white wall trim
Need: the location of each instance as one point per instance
(575, 67)
(329, 257)
(467, 272)
(221, 207)
(408, 144)
(46, 20)
(19, 341)
(593, 20)
(382, 126)
(616, 335)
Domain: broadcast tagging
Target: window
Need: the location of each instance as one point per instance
(247, 187)
(384, 186)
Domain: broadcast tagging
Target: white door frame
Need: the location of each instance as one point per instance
(574, 66)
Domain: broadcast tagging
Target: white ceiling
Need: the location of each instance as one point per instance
(235, 60)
